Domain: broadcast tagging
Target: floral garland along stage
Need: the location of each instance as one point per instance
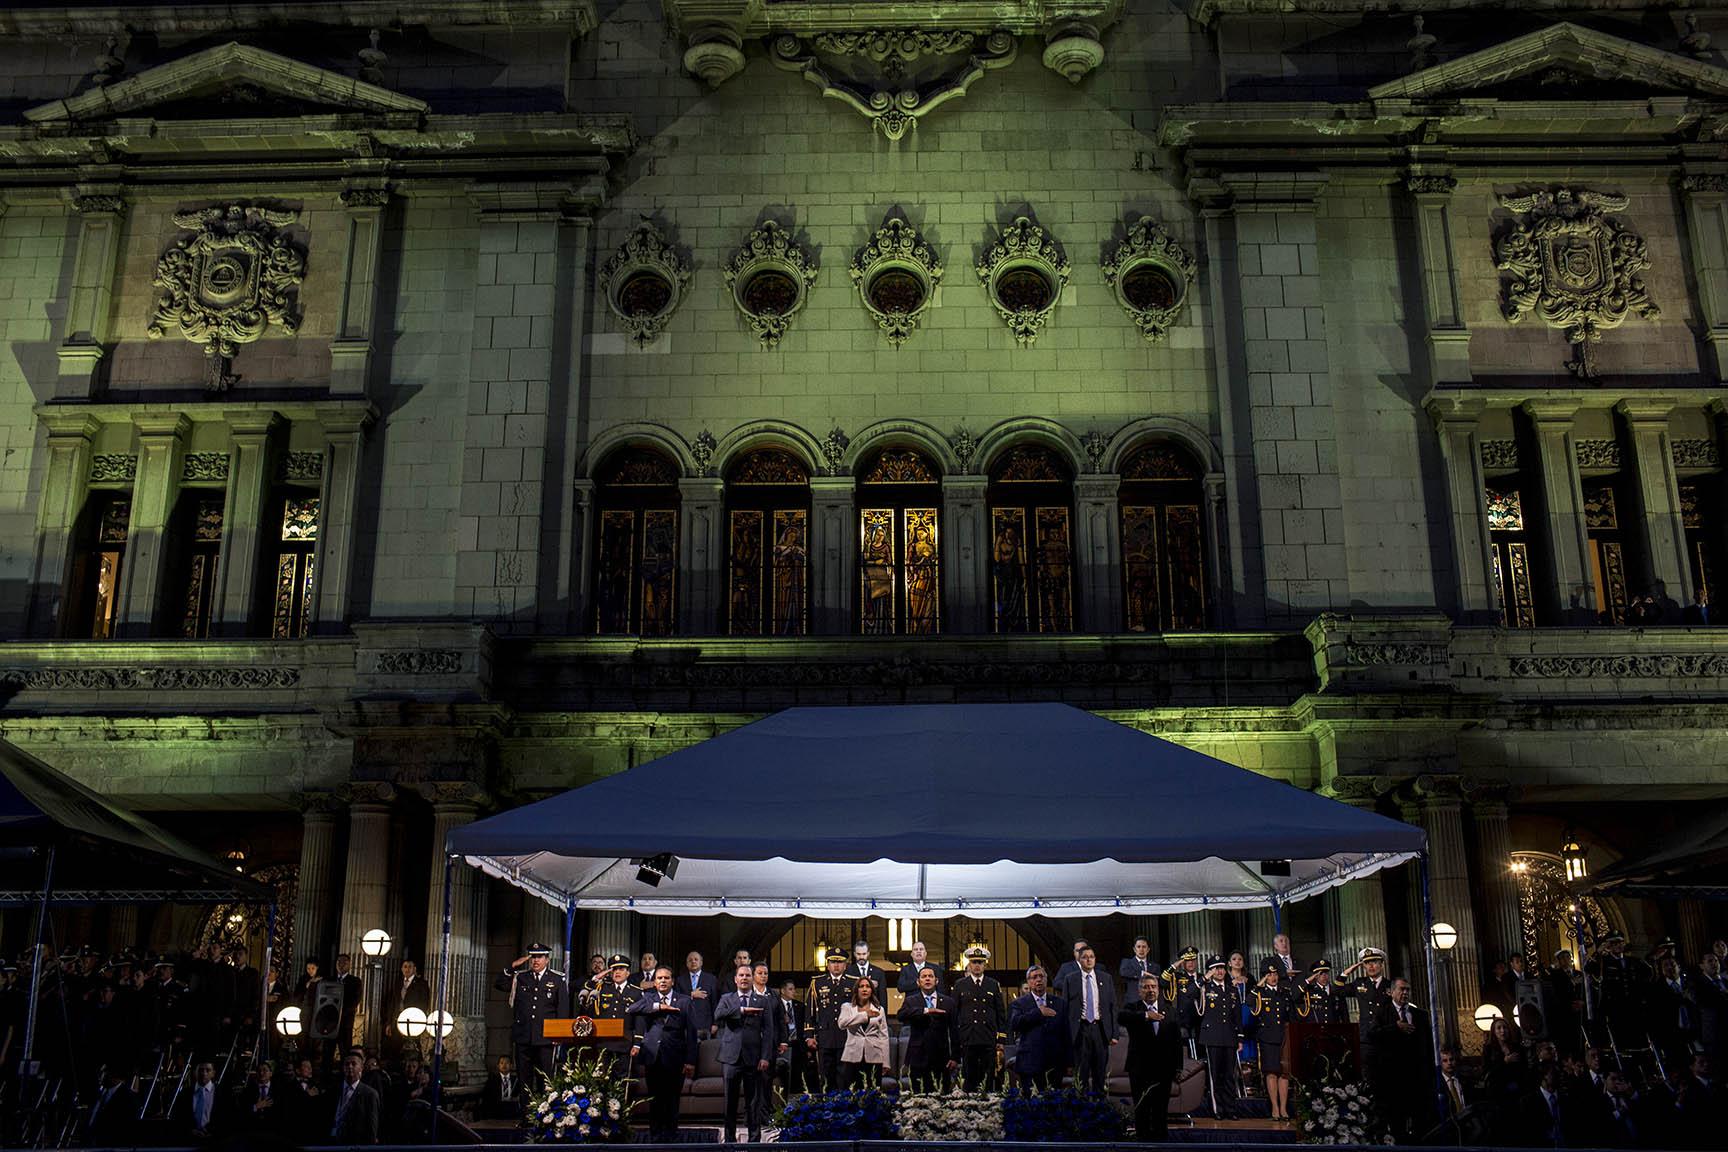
(969, 1116)
(855, 1114)
(587, 1102)
(1333, 1111)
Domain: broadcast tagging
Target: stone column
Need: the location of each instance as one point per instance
(245, 536)
(612, 933)
(1098, 549)
(453, 805)
(1448, 336)
(582, 538)
(1693, 935)
(1705, 198)
(1562, 507)
(544, 924)
(1457, 420)
(345, 429)
(1441, 813)
(351, 349)
(161, 440)
(833, 555)
(366, 874)
(1360, 905)
(702, 554)
(1502, 931)
(1202, 930)
(65, 484)
(966, 555)
(1658, 496)
(122, 927)
(313, 902)
(564, 522)
(90, 304)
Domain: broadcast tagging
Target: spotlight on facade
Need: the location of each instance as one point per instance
(1572, 854)
(1486, 1014)
(411, 1023)
(288, 1020)
(375, 943)
(657, 868)
(1443, 936)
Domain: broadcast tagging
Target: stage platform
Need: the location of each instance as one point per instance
(1241, 1133)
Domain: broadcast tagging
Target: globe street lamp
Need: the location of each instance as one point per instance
(376, 945)
(288, 1023)
(1486, 1014)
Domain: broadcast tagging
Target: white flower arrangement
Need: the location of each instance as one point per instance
(1336, 1113)
(968, 1116)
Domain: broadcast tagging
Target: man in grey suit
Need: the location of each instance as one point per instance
(703, 988)
(1090, 996)
(355, 1119)
(745, 1044)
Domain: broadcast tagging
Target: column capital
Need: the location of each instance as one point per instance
(98, 200)
(1434, 791)
(365, 196)
(1097, 487)
(1486, 793)
(704, 489)
(1550, 410)
(832, 486)
(1703, 185)
(1430, 182)
(68, 425)
(1357, 791)
(967, 487)
(455, 796)
(169, 425)
(258, 422)
(346, 419)
(1455, 408)
(369, 794)
(1646, 409)
(318, 805)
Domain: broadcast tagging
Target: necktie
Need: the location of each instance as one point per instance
(791, 1018)
(1152, 1006)
(1457, 1097)
(1403, 1015)
(504, 1093)
(1089, 1011)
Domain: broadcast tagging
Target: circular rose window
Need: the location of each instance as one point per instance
(1148, 286)
(644, 294)
(1024, 290)
(897, 292)
(771, 292)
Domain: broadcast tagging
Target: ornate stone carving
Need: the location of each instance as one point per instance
(1023, 273)
(113, 468)
(1362, 791)
(770, 277)
(897, 274)
(1072, 50)
(834, 447)
(1681, 666)
(150, 679)
(1372, 655)
(303, 466)
(643, 282)
(1598, 453)
(365, 197)
(1500, 454)
(1430, 183)
(225, 285)
(1096, 444)
(893, 97)
(196, 467)
(1150, 273)
(98, 202)
(702, 453)
(419, 662)
(1704, 182)
(1696, 453)
(372, 59)
(965, 446)
(1574, 266)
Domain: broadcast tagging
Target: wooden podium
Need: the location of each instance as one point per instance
(579, 1033)
(1312, 1050)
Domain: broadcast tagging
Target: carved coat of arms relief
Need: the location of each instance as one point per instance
(1574, 267)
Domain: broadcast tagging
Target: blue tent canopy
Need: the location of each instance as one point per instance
(935, 810)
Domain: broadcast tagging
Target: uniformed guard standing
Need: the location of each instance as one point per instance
(536, 994)
(822, 1031)
(1274, 1005)
(1215, 1009)
(1621, 983)
(1370, 990)
(1180, 981)
(612, 1000)
(982, 1023)
(1321, 1002)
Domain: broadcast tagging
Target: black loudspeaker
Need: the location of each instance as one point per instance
(1531, 1008)
(326, 1010)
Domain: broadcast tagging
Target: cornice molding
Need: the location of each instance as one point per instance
(188, 19)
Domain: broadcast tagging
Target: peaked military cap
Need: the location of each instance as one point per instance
(839, 954)
(619, 962)
(977, 952)
(539, 950)
(1320, 966)
(1372, 954)
(1190, 954)
(1215, 962)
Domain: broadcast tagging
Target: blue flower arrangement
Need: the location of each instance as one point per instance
(857, 1114)
(587, 1102)
(1065, 1116)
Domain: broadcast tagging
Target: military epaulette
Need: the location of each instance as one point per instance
(554, 972)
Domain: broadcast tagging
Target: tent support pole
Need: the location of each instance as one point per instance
(1428, 953)
(438, 1029)
(36, 966)
(1277, 917)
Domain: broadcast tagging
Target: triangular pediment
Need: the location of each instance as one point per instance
(1559, 62)
(230, 80)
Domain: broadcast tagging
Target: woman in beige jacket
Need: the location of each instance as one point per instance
(866, 1025)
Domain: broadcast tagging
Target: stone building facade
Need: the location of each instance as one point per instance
(409, 410)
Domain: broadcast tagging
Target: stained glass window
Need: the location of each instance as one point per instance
(636, 545)
(1031, 542)
(768, 545)
(95, 608)
(293, 581)
(1510, 552)
(1700, 518)
(899, 532)
(1163, 545)
(197, 545)
(1607, 550)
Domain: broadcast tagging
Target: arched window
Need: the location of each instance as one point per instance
(195, 542)
(768, 545)
(292, 543)
(95, 601)
(1163, 546)
(636, 544)
(1031, 500)
(899, 573)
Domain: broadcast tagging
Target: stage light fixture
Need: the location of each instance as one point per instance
(1274, 867)
(653, 869)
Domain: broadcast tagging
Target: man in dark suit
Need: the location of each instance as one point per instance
(412, 992)
(356, 1108)
(744, 1019)
(1040, 1021)
(1545, 1118)
(786, 1023)
(259, 1108)
(1154, 1058)
(1133, 967)
(931, 1020)
(352, 986)
(981, 1022)
(907, 981)
(501, 1098)
(1091, 997)
(1403, 1068)
(1069, 965)
(703, 988)
(1214, 1009)
(666, 1045)
(114, 1112)
(864, 968)
(823, 1036)
(1288, 974)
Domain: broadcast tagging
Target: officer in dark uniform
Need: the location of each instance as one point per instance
(1215, 1010)
(536, 994)
(1180, 980)
(822, 1031)
(982, 1021)
(612, 1000)
(1273, 1004)
(167, 1004)
(1321, 1002)
(1369, 990)
(1621, 981)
